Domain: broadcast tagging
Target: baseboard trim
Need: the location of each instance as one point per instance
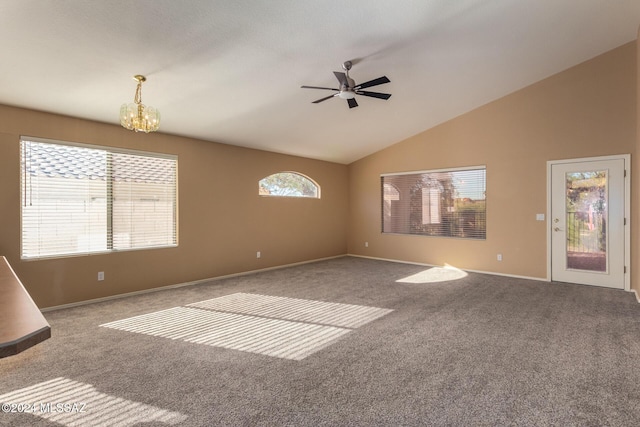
(539, 279)
(181, 285)
(278, 267)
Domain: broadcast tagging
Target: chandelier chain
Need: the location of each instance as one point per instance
(138, 96)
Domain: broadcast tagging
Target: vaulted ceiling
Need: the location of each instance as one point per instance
(231, 71)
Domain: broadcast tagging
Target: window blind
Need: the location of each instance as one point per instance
(448, 203)
(80, 199)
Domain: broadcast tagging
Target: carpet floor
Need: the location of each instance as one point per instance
(341, 342)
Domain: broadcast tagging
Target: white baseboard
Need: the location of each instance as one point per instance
(245, 273)
(180, 285)
(540, 279)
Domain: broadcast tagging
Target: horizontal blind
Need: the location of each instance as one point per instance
(448, 203)
(64, 200)
(77, 199)
(144, 195)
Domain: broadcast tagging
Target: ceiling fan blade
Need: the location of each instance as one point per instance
(374, 82)
(374, 94)
(342, 78)
(352, 102)
(324, 99)
(318, 87)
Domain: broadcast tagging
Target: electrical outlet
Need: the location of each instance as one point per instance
(366, 244)
(499, 257)
(100, 276)
(258, 254)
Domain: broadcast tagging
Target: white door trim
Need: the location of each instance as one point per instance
(627, 209)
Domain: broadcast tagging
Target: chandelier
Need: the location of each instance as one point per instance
(137, 116)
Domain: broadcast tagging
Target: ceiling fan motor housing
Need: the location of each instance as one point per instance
(346, 66)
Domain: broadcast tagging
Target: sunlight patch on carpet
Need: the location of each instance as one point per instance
(287, 328)
(271, 337)
(435, 275)
(72, 403)
(301, 310)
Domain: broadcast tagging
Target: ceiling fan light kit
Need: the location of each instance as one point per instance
(349, 89)
(137, 116)
(347, 94)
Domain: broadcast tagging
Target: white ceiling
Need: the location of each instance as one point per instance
(231, 71)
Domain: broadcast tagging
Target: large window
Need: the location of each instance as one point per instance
(82, 199)
(450, 203)
(288, 184)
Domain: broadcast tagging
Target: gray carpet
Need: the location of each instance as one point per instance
(477, 350)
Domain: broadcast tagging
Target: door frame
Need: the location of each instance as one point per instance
(627, 210)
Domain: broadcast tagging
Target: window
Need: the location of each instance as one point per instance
(80, 199)
(449, 203)
(288, 184)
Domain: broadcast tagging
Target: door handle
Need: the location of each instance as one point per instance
(556, 229)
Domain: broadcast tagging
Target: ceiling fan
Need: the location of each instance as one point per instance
(348, 88)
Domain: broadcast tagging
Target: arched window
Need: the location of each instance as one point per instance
(288, 184)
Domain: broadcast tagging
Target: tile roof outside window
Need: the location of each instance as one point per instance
(54, 160)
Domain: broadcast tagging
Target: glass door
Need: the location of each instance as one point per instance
(587, 234)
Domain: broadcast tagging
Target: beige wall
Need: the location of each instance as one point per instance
(222, 220)
(635, 200)
(588, 110)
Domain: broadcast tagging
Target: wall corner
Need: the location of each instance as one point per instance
(635, 202)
